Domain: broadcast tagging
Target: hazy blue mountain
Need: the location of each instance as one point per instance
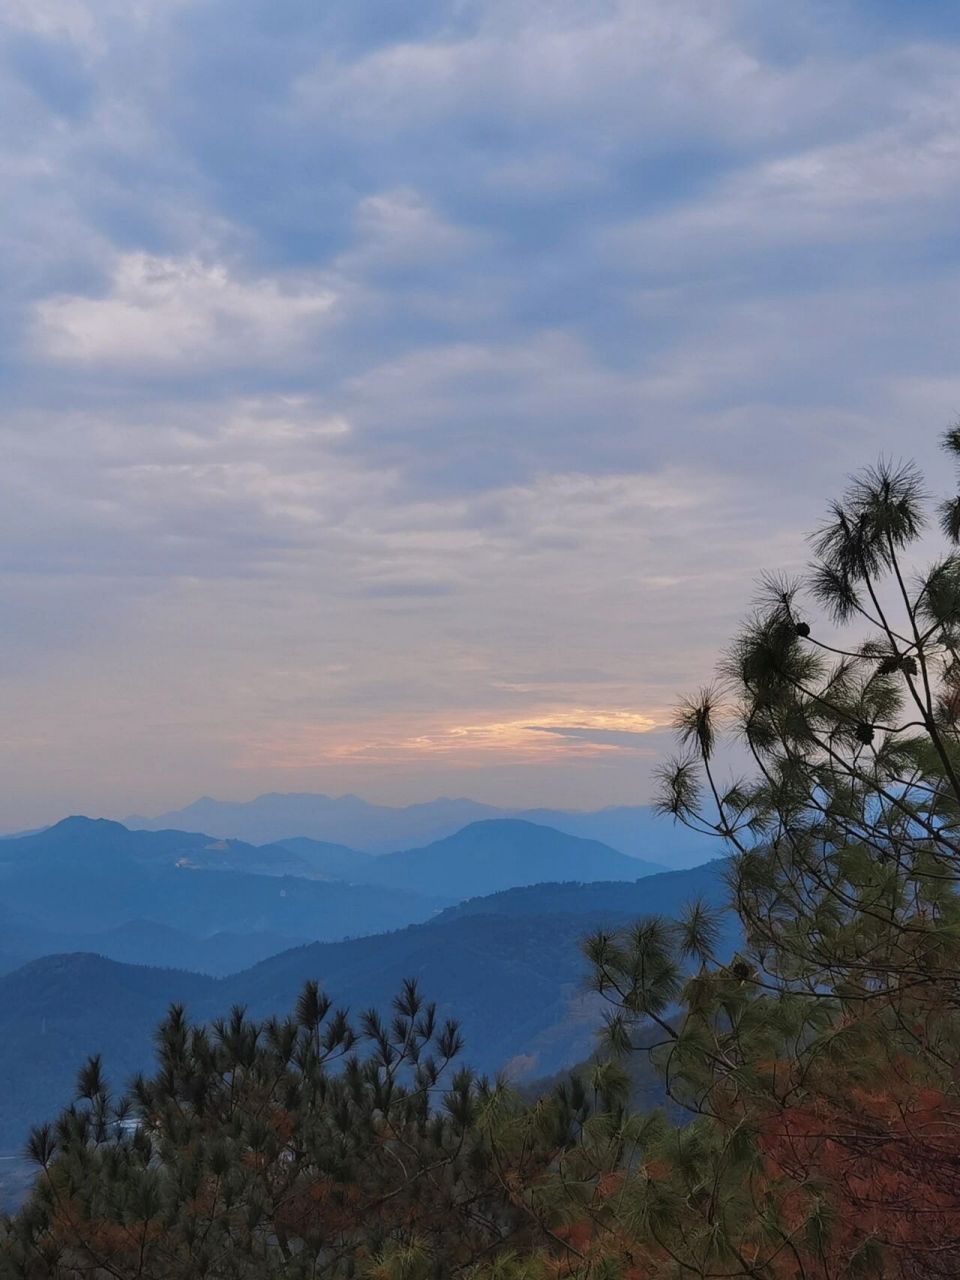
(98, 841)
(56, 1011)
(186, 900)
(485, 857)
(633, 830)
(147, 943)
(517, 985)
(94, 841)
(663, 894)
(100, 838)
(344, 820)
(86, 876)
(332, 861)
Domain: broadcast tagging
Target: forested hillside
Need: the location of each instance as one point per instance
(520, 993)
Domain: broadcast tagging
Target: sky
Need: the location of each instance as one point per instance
(403, 399)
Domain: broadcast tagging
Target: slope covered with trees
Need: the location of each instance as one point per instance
(520, 993)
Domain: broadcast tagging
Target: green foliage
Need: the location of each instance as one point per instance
(806, 1062)
(273, 1148)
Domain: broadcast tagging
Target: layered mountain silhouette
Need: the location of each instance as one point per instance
(501, 854)
(102, 926)
(333, 861)
(509, 966)
(634, 830)
(342, 819)
(193, 901)
(145, 942)
(90, 876)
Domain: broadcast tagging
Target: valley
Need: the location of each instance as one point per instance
(104, 927)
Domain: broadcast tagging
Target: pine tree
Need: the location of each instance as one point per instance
(301, 1147)
(818, 1069)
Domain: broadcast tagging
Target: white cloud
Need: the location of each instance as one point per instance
(371, 372)
(399, 229)
(73, 18)
(894, 182)
(588, 80)
(91, 25)
(180, 312)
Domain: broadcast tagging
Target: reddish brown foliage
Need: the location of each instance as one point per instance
(886, 1164)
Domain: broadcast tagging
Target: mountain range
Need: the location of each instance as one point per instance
(90, 876)
(504, 853)
(102, 926)
(509, 966)
(188, 900)
(347, 820)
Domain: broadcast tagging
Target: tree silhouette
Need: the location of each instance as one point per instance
(820, 1066)
(296, 1147)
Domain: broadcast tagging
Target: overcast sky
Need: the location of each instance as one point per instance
(402, 398)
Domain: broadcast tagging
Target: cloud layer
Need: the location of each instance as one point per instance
(403, 399)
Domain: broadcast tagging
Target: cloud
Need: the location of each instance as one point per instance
(394, 396)
(399, 230)
(600, 737)
(170, 312)
(896, 182)
(418, 737)
(73, 18)
(678, 68)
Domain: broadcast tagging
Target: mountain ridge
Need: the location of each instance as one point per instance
(636, 831)
(80, 885)
(520, 992)
(500, 853)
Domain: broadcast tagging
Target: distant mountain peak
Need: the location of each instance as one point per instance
(78, 827)
(80, 821)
